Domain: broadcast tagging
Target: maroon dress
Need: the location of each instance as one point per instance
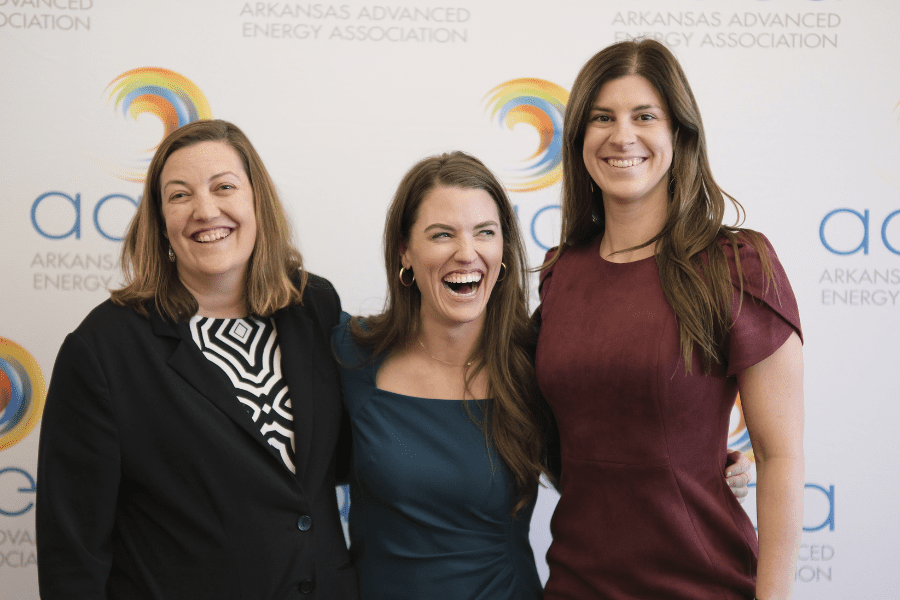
(645, 511)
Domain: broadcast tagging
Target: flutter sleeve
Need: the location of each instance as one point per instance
(764, 310)
(348, 353)
(357, 367)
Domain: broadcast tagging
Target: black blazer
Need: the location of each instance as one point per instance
(154, 483)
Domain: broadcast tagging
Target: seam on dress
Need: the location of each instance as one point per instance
(724, 491)
(688, 512)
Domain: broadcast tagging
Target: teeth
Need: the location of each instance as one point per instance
(629, 162)
(212, 235)
(471, 291)
(462, 277)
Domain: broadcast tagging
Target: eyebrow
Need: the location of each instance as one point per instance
(449, 228)
(635, 109)
(214, 177)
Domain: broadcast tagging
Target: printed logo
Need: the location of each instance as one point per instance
(540, 104)
(168, 95)
(739, 437)
(22, 393)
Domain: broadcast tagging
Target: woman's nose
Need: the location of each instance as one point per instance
(622, 133)
(205, 206)
(465, 252)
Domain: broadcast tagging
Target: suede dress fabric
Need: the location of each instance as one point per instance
(644, 510)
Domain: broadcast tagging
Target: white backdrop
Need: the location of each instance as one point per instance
(801, 102)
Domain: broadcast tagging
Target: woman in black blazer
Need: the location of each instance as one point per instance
(193, 428)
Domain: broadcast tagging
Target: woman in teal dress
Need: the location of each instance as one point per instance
(448, 426)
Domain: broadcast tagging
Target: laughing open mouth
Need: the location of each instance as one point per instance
(462, 284)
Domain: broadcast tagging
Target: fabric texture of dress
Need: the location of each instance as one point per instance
(644, 510)
(430, 508)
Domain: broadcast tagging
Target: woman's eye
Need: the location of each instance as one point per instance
(226, 186)
(488, 232)
(442, 234)
(177, 196)
(646, 117)
(601, 118)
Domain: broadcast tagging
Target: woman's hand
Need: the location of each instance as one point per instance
(737, 473)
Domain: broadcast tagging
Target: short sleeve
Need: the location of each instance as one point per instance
(764, 310)
(348, 352)
(354, 361)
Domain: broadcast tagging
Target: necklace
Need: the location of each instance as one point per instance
(468, 364)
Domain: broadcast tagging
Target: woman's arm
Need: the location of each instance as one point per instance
(78, 478)
(772, 400)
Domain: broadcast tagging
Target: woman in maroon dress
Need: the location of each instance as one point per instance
(655, 315)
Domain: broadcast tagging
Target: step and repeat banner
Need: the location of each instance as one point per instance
(800, 98)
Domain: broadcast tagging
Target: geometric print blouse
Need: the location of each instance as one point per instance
(247, 351)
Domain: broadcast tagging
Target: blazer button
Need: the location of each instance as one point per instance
(306, 587)
(304, 523)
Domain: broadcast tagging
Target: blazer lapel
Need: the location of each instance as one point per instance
(210, 382)
(296, 339)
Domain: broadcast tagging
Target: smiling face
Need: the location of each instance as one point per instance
(628, 142)
(207, 206)
(455, 249)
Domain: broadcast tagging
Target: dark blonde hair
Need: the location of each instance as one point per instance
(517, 414)
(275, 276)
(699, 290)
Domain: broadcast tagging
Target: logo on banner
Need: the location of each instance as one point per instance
(22, 393)
(539, 104)
(871, 236)
(168, 95)
(40, 16)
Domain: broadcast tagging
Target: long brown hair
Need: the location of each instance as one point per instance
(517, 417)
(699, 290)
(275, 263)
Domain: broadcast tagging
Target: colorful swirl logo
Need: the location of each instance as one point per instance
(170, 96)
(22, 393)
(540, 104)
(739, 437)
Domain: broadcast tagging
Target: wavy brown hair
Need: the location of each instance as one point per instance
(517, 417)
(275, 276)
(693, 268)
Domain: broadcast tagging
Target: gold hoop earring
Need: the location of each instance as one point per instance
(403, 283)
(504, 269)
(171, 254)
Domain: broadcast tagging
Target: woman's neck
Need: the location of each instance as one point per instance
(451, 345)
(630, 225)
(219, 301)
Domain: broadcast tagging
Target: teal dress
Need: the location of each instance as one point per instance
(430, 502)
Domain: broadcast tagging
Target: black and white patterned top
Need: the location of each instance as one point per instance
(247, 351)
